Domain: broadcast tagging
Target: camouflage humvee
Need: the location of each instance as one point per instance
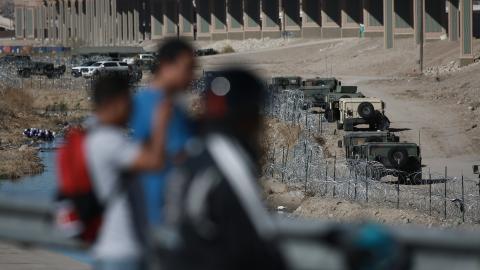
(358, 111)
(332, 109)
(402, 160)
(283, 83)
(319, 92)
(352, 139)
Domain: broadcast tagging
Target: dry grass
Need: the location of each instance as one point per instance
(13, 104)
(15, 163)
(228, 49)
(21, 109)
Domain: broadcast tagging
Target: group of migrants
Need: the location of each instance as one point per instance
(142, 171)
(39, 134)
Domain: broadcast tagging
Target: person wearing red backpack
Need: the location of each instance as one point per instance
(100, 190)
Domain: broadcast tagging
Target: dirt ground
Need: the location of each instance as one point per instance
(443, 105)
(439, 109)
(290, 199)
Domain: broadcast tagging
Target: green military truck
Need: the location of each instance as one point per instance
(284, 83)
(41, 69)
(321, 92)
(361, 111)
(400, 159)
(352, 139)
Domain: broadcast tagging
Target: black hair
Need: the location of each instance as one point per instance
(234, 101)
(110, 86)
(170, 50)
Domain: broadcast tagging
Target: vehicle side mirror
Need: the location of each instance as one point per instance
(340, 144)
(476, 169)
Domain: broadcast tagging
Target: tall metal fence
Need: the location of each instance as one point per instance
(305, 165)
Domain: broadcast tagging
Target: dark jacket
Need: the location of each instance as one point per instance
(214, 205)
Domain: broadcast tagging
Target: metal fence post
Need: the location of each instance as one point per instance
(462, 206)
(273, 160)
(326, 177)
(334, 176)
(445, 195)
(398, 194)
(430, 191)
(366, 184)
(283, 163)
(355, 185)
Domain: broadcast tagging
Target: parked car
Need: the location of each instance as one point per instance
(146, 57)
(41, 69)
(205, 52)
(77, 70)
(102, 67)
(129, 60)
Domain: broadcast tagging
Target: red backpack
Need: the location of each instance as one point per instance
(80, 212)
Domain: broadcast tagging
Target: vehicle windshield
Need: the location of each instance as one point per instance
(96, 64)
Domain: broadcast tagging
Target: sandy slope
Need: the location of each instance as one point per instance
(444, 106)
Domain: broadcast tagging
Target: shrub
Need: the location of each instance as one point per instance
(228, 49)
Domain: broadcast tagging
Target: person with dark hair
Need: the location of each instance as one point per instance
(109, 155)
(173, 73)
(214, 205)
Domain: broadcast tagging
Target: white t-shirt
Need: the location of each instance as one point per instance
(109, 153)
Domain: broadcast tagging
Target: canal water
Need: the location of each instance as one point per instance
(41, 187)
(36, 187)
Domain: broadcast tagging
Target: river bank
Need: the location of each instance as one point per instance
(25, 108)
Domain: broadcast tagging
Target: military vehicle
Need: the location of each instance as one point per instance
(332, 109)
(401, 159)
(41, 69)
(283, 83)
(352, 139)
(359, 111)
(325, 93)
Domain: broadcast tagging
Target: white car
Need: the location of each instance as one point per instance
(103, 67)
(129, 60)
(77, 70)
(146, 57)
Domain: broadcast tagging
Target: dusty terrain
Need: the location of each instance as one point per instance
(444, 108)
(441, 108)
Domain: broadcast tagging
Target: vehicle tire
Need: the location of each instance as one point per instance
(414, 168)
(398, 157)
(416, 178)
(381, 121)
(339, 126)
(327, 115)
(366, 110)
(336, 114)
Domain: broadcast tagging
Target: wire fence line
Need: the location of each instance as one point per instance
(305, 163)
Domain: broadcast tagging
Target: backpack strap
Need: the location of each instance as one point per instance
(232, 161)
